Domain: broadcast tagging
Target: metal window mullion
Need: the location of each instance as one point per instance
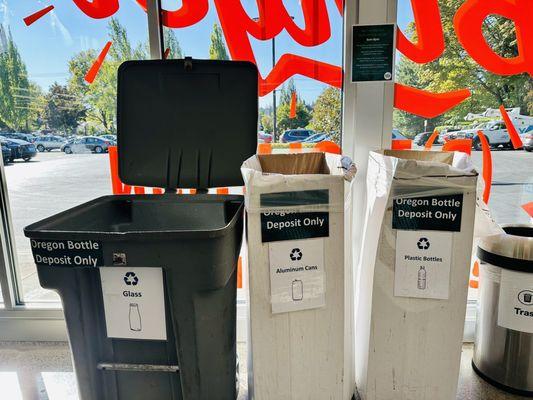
(155, 29)
(9, 279)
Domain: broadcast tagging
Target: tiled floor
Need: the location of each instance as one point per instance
(43, 371)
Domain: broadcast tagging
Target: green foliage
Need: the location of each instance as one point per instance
(327, 113)
(63, 110)
(455, 69)
(171, 42)
(284, 122)
(267, 123)
(15, 99)
(100, 96)
(217, 48)
(286, 92)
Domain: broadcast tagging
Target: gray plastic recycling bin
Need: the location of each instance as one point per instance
(503, 351)
(148, 282)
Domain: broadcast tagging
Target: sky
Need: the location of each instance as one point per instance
(48, 44)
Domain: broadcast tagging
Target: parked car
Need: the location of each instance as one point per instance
(111, 138)
(6, 153)
(264, 137)
(49, 143)
(527, 140)
(296, 135)
(422, 138)
(27, 137)
(317, 137)
(19, 148)
(397, 135)
(87, 144)
(495, 132)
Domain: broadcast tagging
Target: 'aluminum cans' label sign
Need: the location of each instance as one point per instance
(289, 223)
(67, 253)
(431, 213)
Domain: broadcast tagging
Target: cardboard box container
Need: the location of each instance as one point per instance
(299, 281)
(413, 275)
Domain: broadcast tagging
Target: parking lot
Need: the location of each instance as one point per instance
(53, 182)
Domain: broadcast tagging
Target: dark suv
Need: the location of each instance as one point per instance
(296, 135)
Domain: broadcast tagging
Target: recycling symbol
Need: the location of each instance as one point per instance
(131, 279)
(296, 255)
(423, 243)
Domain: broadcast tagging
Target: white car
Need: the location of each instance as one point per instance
(495, 132)
(49, 143)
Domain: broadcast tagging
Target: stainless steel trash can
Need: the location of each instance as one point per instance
(503, 352)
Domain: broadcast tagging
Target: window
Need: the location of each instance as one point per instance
(51, 101)
(484, 90)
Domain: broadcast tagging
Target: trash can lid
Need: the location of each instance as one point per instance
(511, 250)
(186, 123)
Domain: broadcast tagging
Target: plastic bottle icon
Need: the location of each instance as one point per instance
(422, 278)
(297, 290)
(135, 318)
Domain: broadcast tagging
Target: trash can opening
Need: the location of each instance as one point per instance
(147, 213)
(517, 230)
(294, 164)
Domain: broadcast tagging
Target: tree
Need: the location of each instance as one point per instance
(327, 113)
(267, 123)
(217, 48)
(408, 73)
(286, 92)
(455, 69)
(284, 122)
(14, 85)
(64, 110)
(171, 43)
(100, 96)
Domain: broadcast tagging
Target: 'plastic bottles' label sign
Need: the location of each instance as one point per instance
(423, 263)
(134, 302)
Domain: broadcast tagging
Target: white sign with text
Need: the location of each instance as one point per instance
(134, 302)
(297, 276)
(423, 264)
(515, 307)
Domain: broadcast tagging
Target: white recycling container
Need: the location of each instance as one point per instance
(300, 290)
(413, 275)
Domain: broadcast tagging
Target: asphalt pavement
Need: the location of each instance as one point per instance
(53, 182)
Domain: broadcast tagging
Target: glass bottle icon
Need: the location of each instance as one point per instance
(135, 318)
(422, 278)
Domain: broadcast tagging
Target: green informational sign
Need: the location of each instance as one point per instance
(373, 53)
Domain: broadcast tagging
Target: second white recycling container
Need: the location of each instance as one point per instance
(413, 275)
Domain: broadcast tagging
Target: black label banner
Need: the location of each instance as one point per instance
(67, 253)
(286, 225)
(433, 213)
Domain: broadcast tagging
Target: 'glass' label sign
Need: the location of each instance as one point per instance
(67, 253)
(433, 213)
(288, 224)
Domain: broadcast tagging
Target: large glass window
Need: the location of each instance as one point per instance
(451, 69)
(55, 126)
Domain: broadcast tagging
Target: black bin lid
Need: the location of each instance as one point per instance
(186, 123)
